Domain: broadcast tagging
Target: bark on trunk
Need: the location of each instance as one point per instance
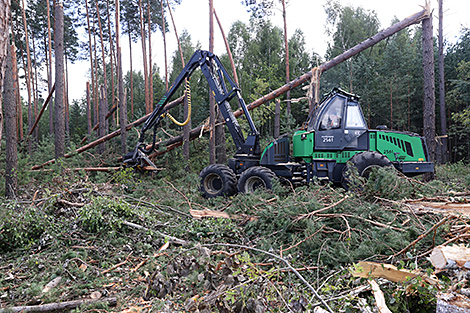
(59, 125)
(4, 38)
(164, 44)
(442, 96)
(28, 74)
(144, 56)
(212, 113)
(286, 43)
(429, 113)
(88, 108)
(49, 68)
(11, 152)
(150, 59)
(122, 96)
(92, 68)
(104, 89)
(277, 119)
(102, 128)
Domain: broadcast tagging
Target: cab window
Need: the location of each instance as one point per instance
(333, 116)
(354, 117)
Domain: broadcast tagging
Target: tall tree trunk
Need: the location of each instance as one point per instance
(212, 112)
(429, 113)
(67, 104)
(59, 124)
(277, 119)
(4, 47)
(16, 84)
(11, 152)
(34, 84)
(102, 120)
(216, 119)
(286, 44)
(442, 96)
(92, 68)
(28, 74)
(150, 59)
(144, 56)
(105, 76)
(96, 68)
(131, 73)
(164, 44)
(122, 96)
(88, 109)
(49, 69)
(4, 38)
(111, 53)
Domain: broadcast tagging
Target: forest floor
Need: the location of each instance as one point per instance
(126, 243)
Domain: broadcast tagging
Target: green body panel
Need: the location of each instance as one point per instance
(303, 147)
(405, 147)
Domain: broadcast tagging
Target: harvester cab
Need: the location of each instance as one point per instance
(338, 123)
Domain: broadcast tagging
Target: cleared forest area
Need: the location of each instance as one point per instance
(156, 245)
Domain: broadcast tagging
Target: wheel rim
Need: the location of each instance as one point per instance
(253, 183)
(366, 172)
(213, 183)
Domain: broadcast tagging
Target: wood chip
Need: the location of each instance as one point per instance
(52, 284)
(450, 256)
(208, 213)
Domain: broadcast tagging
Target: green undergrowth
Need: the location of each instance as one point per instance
(79, 225)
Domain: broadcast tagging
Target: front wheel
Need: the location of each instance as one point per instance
(218, 180)
(364, 162)
(255, 177)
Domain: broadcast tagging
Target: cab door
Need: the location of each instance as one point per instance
(329, 125)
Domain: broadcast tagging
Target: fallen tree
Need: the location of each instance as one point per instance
(177, 141)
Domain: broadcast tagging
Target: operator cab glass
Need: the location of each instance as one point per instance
(354, 118)
(339, 123)
(333, 115)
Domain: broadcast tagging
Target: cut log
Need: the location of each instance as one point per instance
(61, 306)
(448, 257)
(108, 136)
(392, 273)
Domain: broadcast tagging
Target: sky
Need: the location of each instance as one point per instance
(307, 15)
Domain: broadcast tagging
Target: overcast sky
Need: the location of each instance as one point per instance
(307, 15)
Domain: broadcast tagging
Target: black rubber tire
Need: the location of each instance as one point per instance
(256, 177)
(364, 162)
(218, 180)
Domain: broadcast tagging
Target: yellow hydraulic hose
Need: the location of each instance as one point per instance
(188, 118)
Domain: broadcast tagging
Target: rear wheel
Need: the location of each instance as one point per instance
(254, 178)
(364, 162)
(218, 180)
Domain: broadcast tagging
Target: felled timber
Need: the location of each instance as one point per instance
(108, 136)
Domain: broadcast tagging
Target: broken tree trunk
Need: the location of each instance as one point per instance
(42, 109)
(108, 136)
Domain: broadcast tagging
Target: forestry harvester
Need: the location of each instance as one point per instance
(336, 133)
